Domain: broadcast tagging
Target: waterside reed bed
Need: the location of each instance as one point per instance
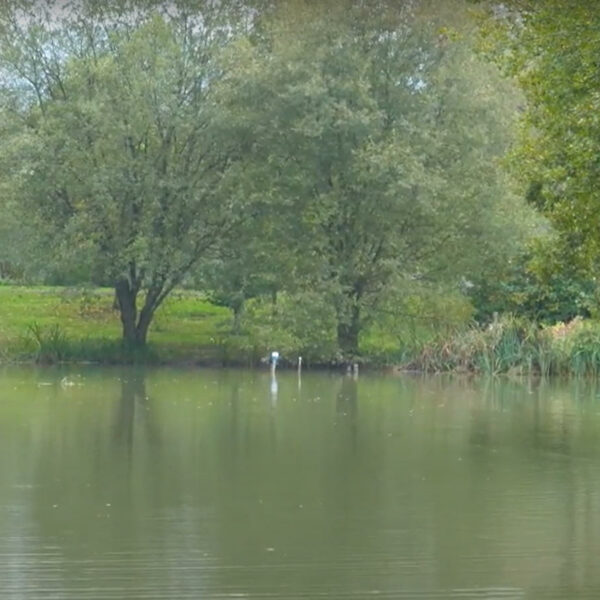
(517, 346)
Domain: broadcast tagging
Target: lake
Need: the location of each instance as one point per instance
(131, 484)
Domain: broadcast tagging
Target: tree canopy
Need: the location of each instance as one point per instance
(345, 148)
(115, 147)
(552, 48)
(380, 140)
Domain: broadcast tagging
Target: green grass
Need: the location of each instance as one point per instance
(55, 324)
(49, 324)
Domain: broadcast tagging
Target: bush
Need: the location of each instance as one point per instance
(297, 325)
(515, 345)
(50, 344)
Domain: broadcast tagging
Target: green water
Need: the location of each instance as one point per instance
(218, 484)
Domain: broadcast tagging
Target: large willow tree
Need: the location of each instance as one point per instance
(112, 141)
(379, 136)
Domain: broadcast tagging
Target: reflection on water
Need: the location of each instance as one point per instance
(133, 410)
(223, 484)
(274, 389)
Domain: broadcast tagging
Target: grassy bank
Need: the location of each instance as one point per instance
(51, 324)
(54, 324)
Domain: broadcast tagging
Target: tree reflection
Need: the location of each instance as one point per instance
(453, 485)
(133, 409)
(346, 406)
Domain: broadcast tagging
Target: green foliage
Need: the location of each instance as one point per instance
(552, 48)
(504, 345)
(183, 332)
(541, 285)
(302, 324)
(413, 315)
(34, 328)
(113, 143)
(584, 352)
(342, 157)
(51, 344)
(378, 144)
(517, 346)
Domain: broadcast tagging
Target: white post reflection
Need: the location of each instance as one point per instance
(274, 389)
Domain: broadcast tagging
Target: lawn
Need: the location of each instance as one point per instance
(56, 324)
(186, 328)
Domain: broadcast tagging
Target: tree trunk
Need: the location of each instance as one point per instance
(127, 297)
(348, 330)
(136, 324)
(238, 311)
(141, 330)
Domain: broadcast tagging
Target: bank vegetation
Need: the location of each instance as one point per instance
(404, 183)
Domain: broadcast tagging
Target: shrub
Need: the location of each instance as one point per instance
(50, 343)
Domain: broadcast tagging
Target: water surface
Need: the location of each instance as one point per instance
(125, 484)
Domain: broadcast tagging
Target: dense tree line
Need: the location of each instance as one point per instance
(349, 148)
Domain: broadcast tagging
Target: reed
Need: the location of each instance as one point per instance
(515, 345)
(49, 344)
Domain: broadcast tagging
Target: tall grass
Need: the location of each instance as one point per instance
(515, 345)
(50, 344)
